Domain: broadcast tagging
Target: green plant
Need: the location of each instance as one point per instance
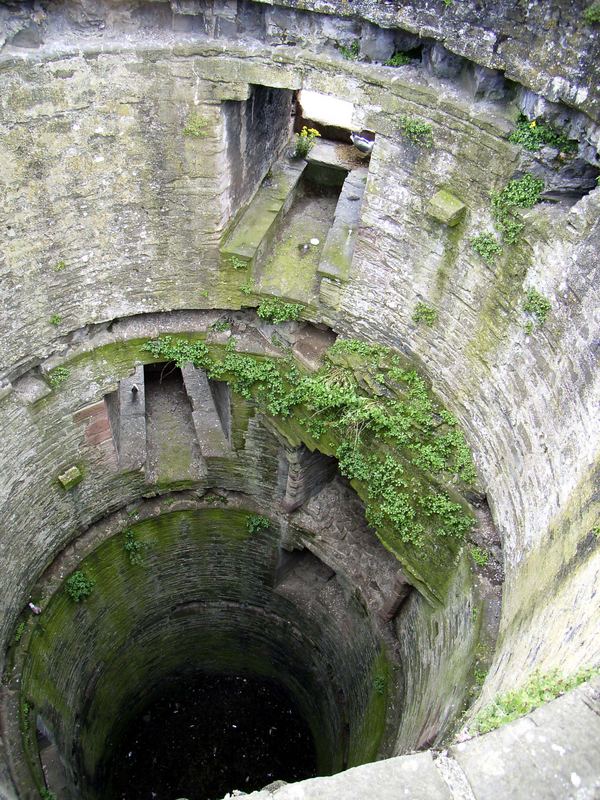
(195, 126)
(275, 310)
(399, 59)
(246, 288)
(58, 376)
(305, 141)
(203, 293)
(330, 403)
(20, 631)
(519, 193)
(480, 675)
(487, 246)
(534, 135)
(59, 266)
(379, 684)
(596, 531)
(417, 132)
(46, 794)
(538, 305)
(539, 689)
(447, 2)
(424, 313)
(350, 52)
(210, 497)
(255, 523)
(480, 556)
(238, 263)
(79, 586)
(591, 15)
(180, 351)
(25, 714)
(55, 319)
(220, 325)
(133, 548)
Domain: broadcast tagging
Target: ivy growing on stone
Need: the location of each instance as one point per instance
(537, 305)
(79, 586)
(534, 135)
(519, 193)
(388, 442)
(426, 314)
(58, 376)
(257, 523)
(487, 246)
(275, 310)
(417, 132)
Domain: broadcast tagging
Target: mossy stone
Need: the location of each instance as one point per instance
(446, 208)
(70, 477)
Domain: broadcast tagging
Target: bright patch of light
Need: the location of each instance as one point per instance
(326, 109)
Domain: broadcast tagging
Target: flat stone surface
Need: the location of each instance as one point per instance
(550, 755)
(411, 777)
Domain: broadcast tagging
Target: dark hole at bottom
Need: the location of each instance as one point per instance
(207, 735)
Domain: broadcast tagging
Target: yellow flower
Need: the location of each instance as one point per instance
(533, 124)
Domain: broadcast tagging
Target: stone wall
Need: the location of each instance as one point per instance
(108, 210)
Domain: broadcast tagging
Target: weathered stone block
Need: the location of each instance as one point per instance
(70, 477)
(446, 208)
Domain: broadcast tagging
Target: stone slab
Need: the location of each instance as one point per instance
(552, 754)
(412, 777)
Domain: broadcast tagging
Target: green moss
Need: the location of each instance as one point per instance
(196, 126)
(365, 742)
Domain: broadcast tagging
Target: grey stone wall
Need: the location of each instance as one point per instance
(108, 210)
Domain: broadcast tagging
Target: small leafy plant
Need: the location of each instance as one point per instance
(480, 556)
(426, 314)
(58, 376)
(379, 684)
(538, 305)
(246, 288)
(350, 52)
(591, 15)
(539, 689)
(256, 523)
(46, 794)
(519, 193)
(79, 586)
(55, 319)
(275, 310)
(20, 631)
(204, 293)
(305, 141)
(399, 59)
(59, 266)
(534, 135)
(195, 126)
(238, 263)
(133, 548)
(487, 246)
(417, 132)
(220, 325)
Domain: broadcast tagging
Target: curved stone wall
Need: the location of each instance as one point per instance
(109, 211)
